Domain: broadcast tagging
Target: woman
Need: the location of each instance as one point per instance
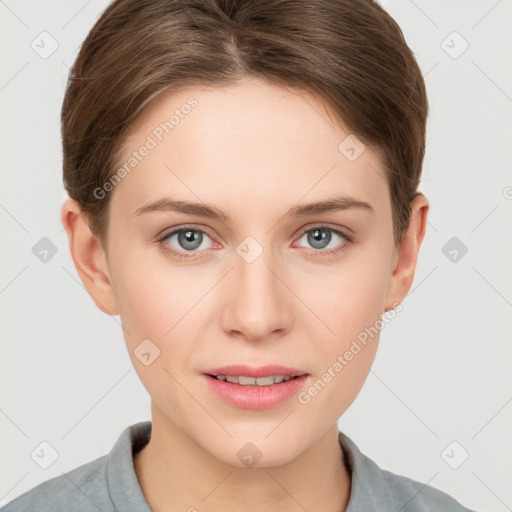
(243, 193)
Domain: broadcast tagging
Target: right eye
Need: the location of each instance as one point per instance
(187, 240)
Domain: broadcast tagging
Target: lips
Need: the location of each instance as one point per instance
(261, 371)
(256, 397)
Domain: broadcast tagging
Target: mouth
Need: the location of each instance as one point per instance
(255, 376)
(256, 388)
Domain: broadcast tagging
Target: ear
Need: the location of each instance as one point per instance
(89, 257)
(406, 254)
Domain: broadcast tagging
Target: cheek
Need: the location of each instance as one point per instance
(353, 299)
(146, 289)
(160, 301)
(153, 311)
(351, 307)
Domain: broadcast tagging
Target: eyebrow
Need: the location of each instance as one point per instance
(203, 210)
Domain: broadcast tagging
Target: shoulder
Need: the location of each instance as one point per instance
(374, 488)
(108, 483)
(418, 497)
(83, 489)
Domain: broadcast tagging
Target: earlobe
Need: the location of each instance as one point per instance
(406, 255)
(89, 257)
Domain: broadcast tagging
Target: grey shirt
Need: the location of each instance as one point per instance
(109, 484)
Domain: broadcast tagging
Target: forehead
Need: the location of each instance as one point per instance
(246, 144)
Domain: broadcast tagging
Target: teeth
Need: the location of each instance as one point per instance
(253, 381)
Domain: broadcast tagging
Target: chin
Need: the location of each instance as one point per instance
(256, 454)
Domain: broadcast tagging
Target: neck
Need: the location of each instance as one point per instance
(175, 473)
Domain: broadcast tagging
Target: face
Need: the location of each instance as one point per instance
(268, 283)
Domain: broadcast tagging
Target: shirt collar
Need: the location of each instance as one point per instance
(368, 490)
(124, 487)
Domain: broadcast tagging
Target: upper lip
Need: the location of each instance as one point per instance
(260, 371)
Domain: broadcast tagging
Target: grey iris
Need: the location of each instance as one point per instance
(188, 239)
(315, 236)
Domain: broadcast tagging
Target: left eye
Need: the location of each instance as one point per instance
(321, 236)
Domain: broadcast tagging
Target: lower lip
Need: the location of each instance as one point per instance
(256, 397)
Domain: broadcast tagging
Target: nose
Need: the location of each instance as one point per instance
(259, 304)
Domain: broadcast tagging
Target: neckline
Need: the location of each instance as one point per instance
(126, 492)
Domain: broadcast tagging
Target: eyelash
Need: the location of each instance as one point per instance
(182, 255)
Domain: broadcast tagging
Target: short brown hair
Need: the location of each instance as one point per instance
(349, 53)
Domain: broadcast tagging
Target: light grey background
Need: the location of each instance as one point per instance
(443, 368)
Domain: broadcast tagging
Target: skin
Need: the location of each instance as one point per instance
(253, 150)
